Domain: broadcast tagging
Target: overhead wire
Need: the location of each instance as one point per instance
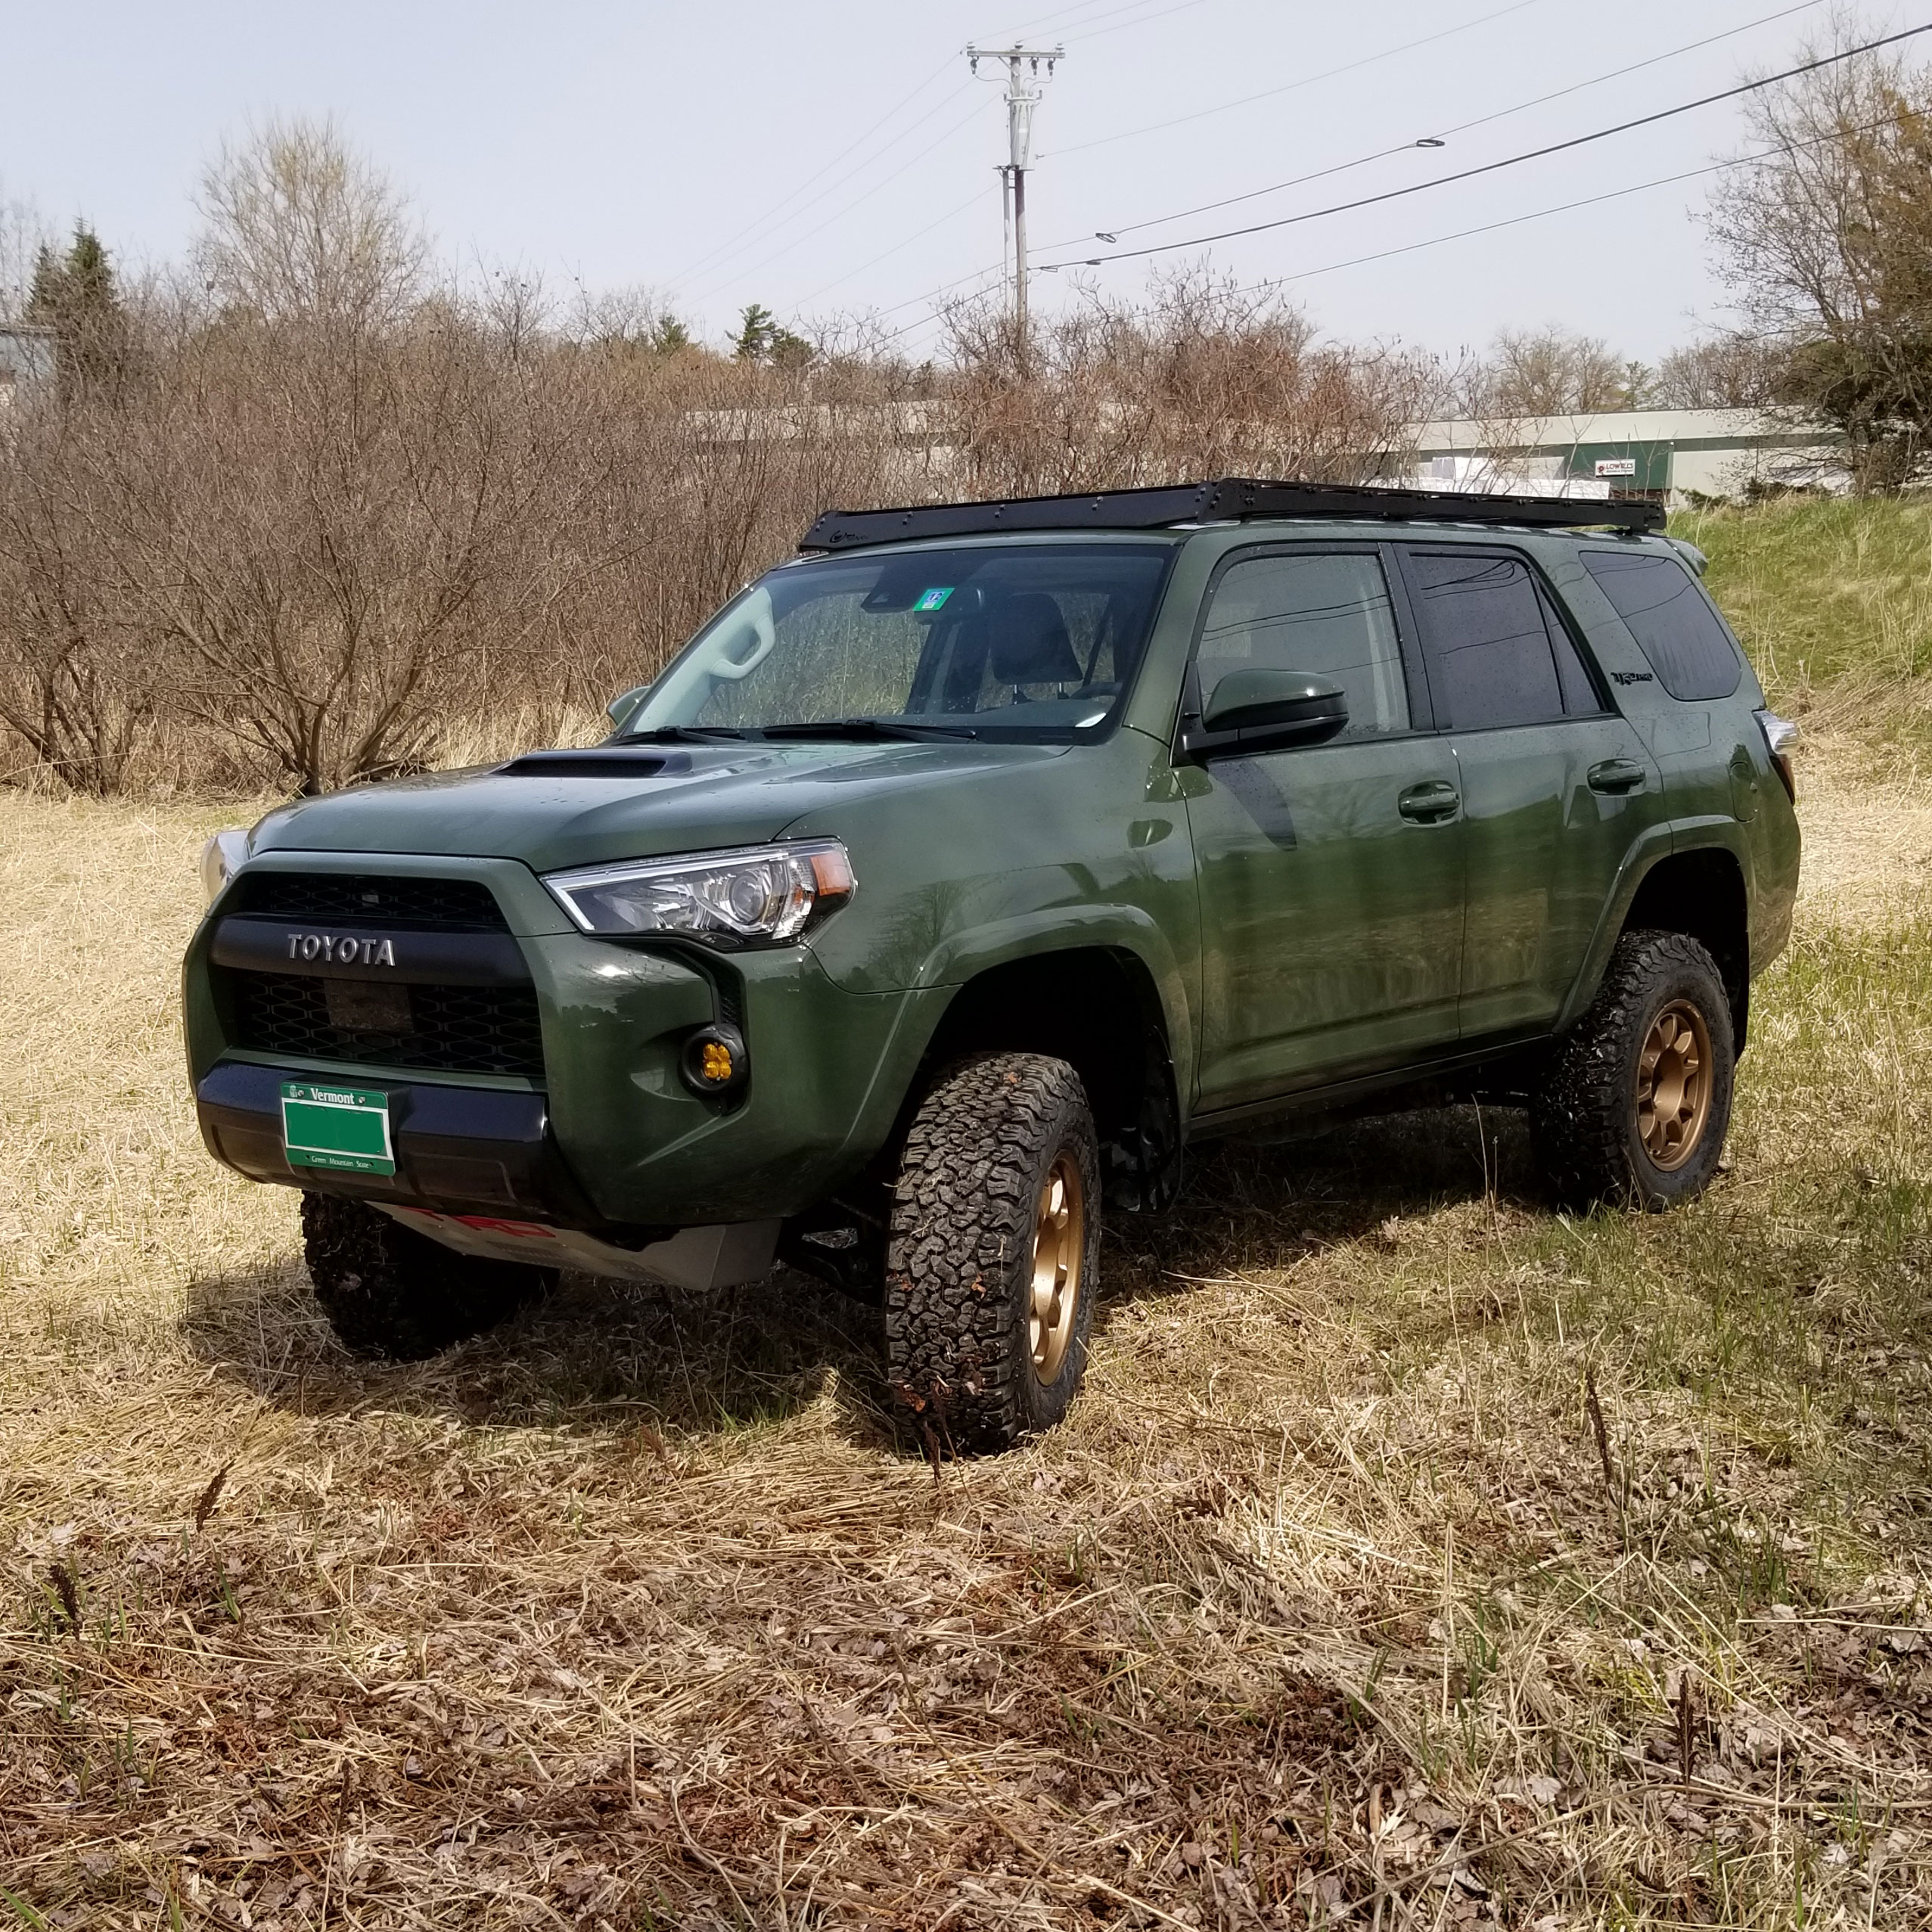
(1507, 161)
(878, 187)
(757, 228)
(1445, 134)
(1562, 208)
(1339, 167)
(953, 213)
(1290, 87)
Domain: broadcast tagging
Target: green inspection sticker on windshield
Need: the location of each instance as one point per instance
(934, 600)
(344, 1128)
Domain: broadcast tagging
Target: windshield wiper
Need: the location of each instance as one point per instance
(878, 728)
(690, 734)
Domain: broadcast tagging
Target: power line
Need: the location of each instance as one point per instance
(1180, 6)
(858, 201)
(951, 214)
(725, 249)
(1563, 208)
(1275, 282)
(1508, 161)
(1461, 127)
(1341, 167)
(1307, 80)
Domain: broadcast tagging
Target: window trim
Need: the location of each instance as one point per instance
(1549, 602)
(1416, 682)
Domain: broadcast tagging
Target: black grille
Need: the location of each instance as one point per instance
(335, 898)
(458, 1029)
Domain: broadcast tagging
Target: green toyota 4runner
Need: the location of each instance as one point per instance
(959, 874)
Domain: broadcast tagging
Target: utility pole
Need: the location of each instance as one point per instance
(1025, 84)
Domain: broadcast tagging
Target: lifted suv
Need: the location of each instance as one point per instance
(958, 875)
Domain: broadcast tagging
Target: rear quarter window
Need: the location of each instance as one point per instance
(1675, 624)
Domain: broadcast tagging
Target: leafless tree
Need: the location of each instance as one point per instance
(1737, 369)
(1549, 371)
(297, 227)
(1826, 239)
(1199, 380)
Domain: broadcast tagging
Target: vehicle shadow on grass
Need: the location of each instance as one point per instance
(1260, 1201)
(596, 1356)
(604, 1355)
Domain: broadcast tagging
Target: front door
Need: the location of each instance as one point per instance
(1556, 786)
(1331, 875)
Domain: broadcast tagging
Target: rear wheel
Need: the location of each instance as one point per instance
(1637, 1101)
(993, 1253)
(388, 1290)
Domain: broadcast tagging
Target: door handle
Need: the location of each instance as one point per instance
(1616, 776)
(1430, 803)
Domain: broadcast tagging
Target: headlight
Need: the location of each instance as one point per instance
(760, 895)
(221, 857)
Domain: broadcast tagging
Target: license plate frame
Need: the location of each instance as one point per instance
(336, 1128)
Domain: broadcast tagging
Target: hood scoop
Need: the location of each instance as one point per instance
(600, 762)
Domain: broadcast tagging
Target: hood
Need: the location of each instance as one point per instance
(551, 810)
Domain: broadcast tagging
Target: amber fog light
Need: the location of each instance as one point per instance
(714, 1061)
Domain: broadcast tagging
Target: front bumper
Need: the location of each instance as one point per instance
(608, 1137)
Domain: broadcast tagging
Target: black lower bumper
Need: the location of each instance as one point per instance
(460, 1150)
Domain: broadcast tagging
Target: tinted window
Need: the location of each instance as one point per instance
(1580, 696)
(1329, 615)
(1484, 622)
(1672, 620)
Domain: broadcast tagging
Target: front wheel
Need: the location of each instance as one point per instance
(1636, 1101)
(993, 1252)
(388, 1290)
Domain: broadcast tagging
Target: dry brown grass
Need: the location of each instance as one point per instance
(1330, 1603)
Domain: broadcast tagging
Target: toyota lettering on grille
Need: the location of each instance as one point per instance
(342, 948)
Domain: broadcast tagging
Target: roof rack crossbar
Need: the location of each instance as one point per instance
(1229, 498)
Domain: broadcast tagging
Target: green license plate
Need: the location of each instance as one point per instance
(345, 1129)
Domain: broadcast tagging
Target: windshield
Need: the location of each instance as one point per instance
(982, 641)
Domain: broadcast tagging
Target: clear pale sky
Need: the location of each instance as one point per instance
(611, 144)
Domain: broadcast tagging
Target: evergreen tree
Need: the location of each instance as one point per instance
(78, 298)
(757, 327)
(46, 296)
(762, 337)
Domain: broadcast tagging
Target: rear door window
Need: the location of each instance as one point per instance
(1675, 625)
(1492, 661)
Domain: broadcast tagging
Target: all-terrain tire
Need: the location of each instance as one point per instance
(1586, 1118)
(388, 1290)
(991, 1140)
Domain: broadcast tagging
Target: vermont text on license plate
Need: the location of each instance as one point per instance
(345, 1129)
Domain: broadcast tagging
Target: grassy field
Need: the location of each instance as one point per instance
(1416, 1557)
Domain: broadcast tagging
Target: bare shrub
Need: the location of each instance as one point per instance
(1824, 241)
(298, 227)
(77, 688)
(1549, 371)
(1736, 369)
(1199, 380)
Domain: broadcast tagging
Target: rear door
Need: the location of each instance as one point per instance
(1556, 786)
(1331, 874)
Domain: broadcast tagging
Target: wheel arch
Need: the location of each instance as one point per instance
(1702, 893)
(1099, 1008)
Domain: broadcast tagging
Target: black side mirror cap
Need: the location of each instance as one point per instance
(1265, 709)
(621, 706)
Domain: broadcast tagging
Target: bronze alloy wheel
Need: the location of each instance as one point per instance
(1674, 1085)
(1059, 1235)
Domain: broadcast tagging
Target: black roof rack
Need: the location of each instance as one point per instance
(1229, 498)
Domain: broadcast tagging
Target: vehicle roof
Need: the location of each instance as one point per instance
(1229, 499)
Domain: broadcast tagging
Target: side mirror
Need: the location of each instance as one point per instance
(1267, 710)
(621, 706)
